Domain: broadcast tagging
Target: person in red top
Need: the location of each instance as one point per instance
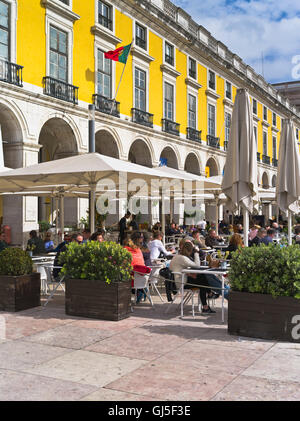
(133, 245)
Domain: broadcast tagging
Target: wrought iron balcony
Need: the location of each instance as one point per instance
(213, 141)
(258, 156)
(106, 105)
(170, 126)
(142, 117)
(275, 162)
(11, 73)
(60, 90)
(193, 134)
(266, 159)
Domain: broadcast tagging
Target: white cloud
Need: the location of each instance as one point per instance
(250, 28)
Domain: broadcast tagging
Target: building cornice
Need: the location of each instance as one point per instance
(192, 83)
(61, 9)
(137, 52)
(101, 32)
(212, 94)
(170, 70)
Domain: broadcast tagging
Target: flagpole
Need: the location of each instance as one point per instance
(114, 98)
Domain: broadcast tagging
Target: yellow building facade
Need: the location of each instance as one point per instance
(174, 100)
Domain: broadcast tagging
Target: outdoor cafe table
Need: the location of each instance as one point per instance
(204, 271)
(40, 261)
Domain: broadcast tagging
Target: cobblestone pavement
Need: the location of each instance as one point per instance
(152, 355)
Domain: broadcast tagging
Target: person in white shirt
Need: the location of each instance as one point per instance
(183, 261)
(156, 247)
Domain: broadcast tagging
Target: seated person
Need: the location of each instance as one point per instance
(157, 248)
(183, 261)
(48, 243)
(172, 230)
(147, 237)
(156, 227)
(212, 239)
(253, 232)
(3, 243)
(67, 239)
(268, 239)
(98, 236)
(259, 237)
(78, 238)
(86, 234)
(235, 242)
(35, 243)
(133, 245)
(239, 229)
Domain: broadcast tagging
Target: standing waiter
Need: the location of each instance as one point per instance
(122, 226)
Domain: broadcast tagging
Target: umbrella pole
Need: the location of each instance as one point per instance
(92, 208)
(246, 226)
(163, 217)
(290, 228)
(62, 216)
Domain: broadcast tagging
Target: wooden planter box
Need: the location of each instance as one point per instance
(98, 300)
(20, 292)
(262, 316)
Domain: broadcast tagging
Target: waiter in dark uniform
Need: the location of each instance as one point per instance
(122, 226)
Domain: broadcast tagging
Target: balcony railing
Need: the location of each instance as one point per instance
(11, 73)
(169, 59)
(258, 156)
(275, 162)
(266, 159)
(142, 117)
(170, 126)
(193, 134)
(60, 90)
(213, 141)
(106, 105)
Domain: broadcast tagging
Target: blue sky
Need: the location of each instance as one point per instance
(254, 29)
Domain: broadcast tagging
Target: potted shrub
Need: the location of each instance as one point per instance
(19, 286)
(98, 280)
(265, 290)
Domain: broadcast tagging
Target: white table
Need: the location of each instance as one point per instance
(204, 271)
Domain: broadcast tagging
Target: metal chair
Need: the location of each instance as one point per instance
(50, 280)
(155, 277)
(141, 281)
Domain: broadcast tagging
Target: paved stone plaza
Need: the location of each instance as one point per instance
(150, 356)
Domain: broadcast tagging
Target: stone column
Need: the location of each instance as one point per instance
(20, 213)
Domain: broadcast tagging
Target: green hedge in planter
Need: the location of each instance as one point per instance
(106, 261)
(269, 269)
(15, 262)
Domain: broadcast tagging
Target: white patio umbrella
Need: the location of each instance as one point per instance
(288, 178)
(81, 170)
(240, 176)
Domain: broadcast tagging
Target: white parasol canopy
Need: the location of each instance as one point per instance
(240, 176)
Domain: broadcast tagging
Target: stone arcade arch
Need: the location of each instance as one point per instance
(265, 181)
(139, 153)
(169, 155)
(58, 140)
(106, 144)
(192, 164)
(211, 168)
(11, 207)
